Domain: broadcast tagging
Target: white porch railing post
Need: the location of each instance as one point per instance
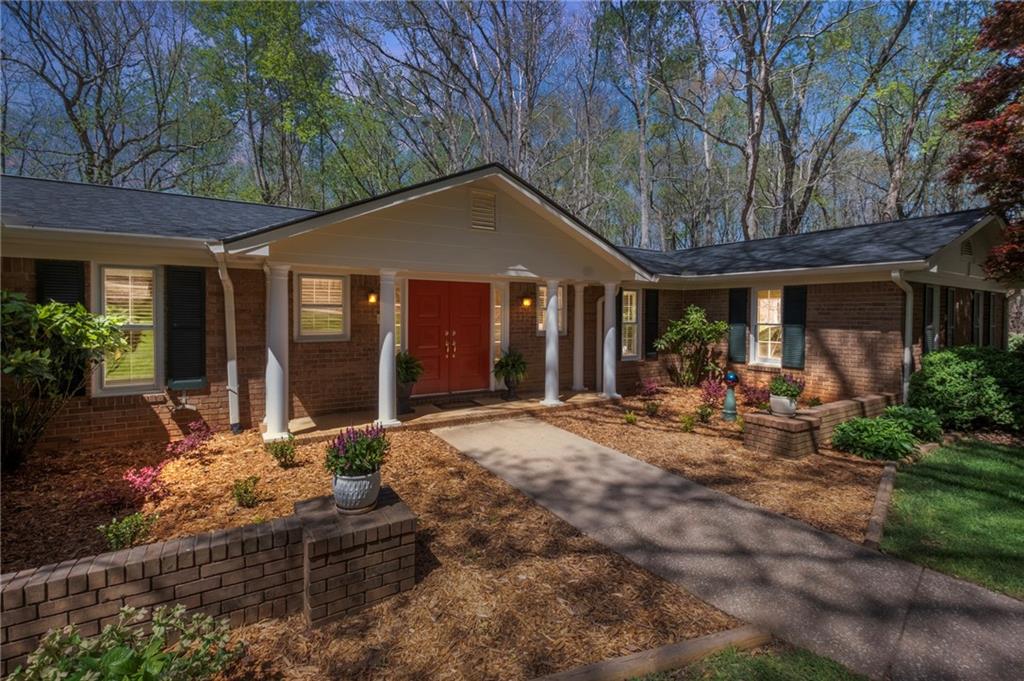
(276, 377)
(386, 385)
(610, 340)
(551, 346)
(577, 337)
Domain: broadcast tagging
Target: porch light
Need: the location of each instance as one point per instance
(372, 298)
(527, 301)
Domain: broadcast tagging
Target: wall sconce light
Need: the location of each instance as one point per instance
(527, 301)
(372, 298)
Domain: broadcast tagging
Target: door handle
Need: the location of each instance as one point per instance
(454, 344)
(446, 345)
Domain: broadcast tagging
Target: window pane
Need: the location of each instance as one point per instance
(321, 291)
(136, 366)
(497, 322)
(629, 340)
(320, 321)
(398, 318)
(542, 305)
(129, 294)
(769, 306)
(769, 342)
(628, 307)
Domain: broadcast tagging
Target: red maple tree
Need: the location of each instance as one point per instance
(992, 127)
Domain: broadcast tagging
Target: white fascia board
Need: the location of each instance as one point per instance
(830, 274)
(938, 278)
(68, 244)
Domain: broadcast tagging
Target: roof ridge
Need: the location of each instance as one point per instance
(819, 231)
(152, 191)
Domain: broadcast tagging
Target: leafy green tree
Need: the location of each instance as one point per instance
(693, 337)
(46, 352)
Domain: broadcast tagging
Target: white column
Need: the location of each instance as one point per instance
(551, 346)
(276, 383)
(577, 337)
(610, 340)
(386, 386)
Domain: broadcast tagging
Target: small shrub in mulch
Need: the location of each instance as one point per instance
(145, 482)
(651, 408)
(630, 418)
(195, 442)
(244, 491)
(283, 451)
(704, 413)
(755, 396)
(130, 530)
(687, 422)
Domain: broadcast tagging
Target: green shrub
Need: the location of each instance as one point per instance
(283, 451)
(874, 438)
(130, 530)
(408, 369)
(693, 338)
(178, 648)
(687, 422)
(704, 413)
(922, 422)
(786, 385)
(971, 387)
(244, 491)
(1017, 342)
(630, 418)
(651, 408)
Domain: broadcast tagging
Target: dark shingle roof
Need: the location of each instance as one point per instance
(53, 204)
(914, 239)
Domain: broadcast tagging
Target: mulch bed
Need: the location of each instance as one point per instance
(505, 590)
(830, 491)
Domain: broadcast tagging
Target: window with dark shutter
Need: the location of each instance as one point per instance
(650, 322)
(990, 330)
(950, 317)
(928, 330)
(62, 281)
(739, 308)
(618, 324)
(794, 320)
(185, 305)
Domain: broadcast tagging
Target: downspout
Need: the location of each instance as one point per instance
(908, 331)
(230, 338)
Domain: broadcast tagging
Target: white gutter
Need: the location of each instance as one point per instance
(908, 330)
(230, 337)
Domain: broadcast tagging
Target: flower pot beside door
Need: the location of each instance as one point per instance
(408, 370)
(510, 369)
(354, 458)
(784, 391)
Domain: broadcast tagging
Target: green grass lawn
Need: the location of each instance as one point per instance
(775, 664)
(961, 511)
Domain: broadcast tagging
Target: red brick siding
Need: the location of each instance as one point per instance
(523, 336)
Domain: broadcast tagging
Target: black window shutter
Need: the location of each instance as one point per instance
(928, 318)
(618, 324)
(950, 317)
(990, 335)
(62, 281)
(185, 307)
(650, 322)
(794, 320)
(739, 308)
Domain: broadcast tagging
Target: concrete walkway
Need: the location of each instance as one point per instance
(877, 615)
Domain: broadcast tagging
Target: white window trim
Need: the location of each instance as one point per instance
(563, 312)
(755, 359)
(639, 356)
(98, 387)
(346, 308)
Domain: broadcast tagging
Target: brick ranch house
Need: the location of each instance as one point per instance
(255, 315)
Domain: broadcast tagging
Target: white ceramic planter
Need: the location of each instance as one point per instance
(782, 406)
(359, 493)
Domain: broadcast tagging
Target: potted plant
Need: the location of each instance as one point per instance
(408, 370)
(783, 393)
(354, 459)
(510, 368)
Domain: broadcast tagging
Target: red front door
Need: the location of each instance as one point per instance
(449, 332)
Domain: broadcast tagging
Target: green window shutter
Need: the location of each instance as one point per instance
(739, 308)
(62, 281)
(618, 325)
(950, 317)
(794, 321)
(928, 330)
(650, 322)
(185, 307)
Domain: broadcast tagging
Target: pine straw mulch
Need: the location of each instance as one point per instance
(830, 491)
(505, 590)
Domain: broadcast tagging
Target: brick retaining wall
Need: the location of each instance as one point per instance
(811, 429)
(315, 561)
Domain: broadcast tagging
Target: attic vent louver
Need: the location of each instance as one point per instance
(483, 210)
(966, 248)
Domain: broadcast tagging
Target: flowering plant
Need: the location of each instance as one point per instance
(199, 434)
(786, 385)
(755, 396)
(712, 391)
(145, 481)
(357, 451)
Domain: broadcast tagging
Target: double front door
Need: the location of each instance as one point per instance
(449, 333)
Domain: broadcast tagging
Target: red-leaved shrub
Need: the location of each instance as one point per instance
(712, 392)
(755, 396)
(199, 434)
(145, 481)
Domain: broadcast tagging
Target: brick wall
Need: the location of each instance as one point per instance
(523, 336)
(315, 561)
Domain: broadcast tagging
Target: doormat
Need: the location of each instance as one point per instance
(461, 404)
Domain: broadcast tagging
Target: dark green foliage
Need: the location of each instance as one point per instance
(704, 413)
(692, 338)
(971, 387)
(630, 418)
(244, 491)
(687, 423)
(786, 386)
(283, 451)
(47, 352)
(178, 648)
(131, 530)
(408, 369)
(1017, 342)
(357, 452)
(874, 438)
(651, 408)
(510, 366)
(922, 422)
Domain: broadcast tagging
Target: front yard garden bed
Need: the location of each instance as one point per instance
(504, 589)
(834, 493)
